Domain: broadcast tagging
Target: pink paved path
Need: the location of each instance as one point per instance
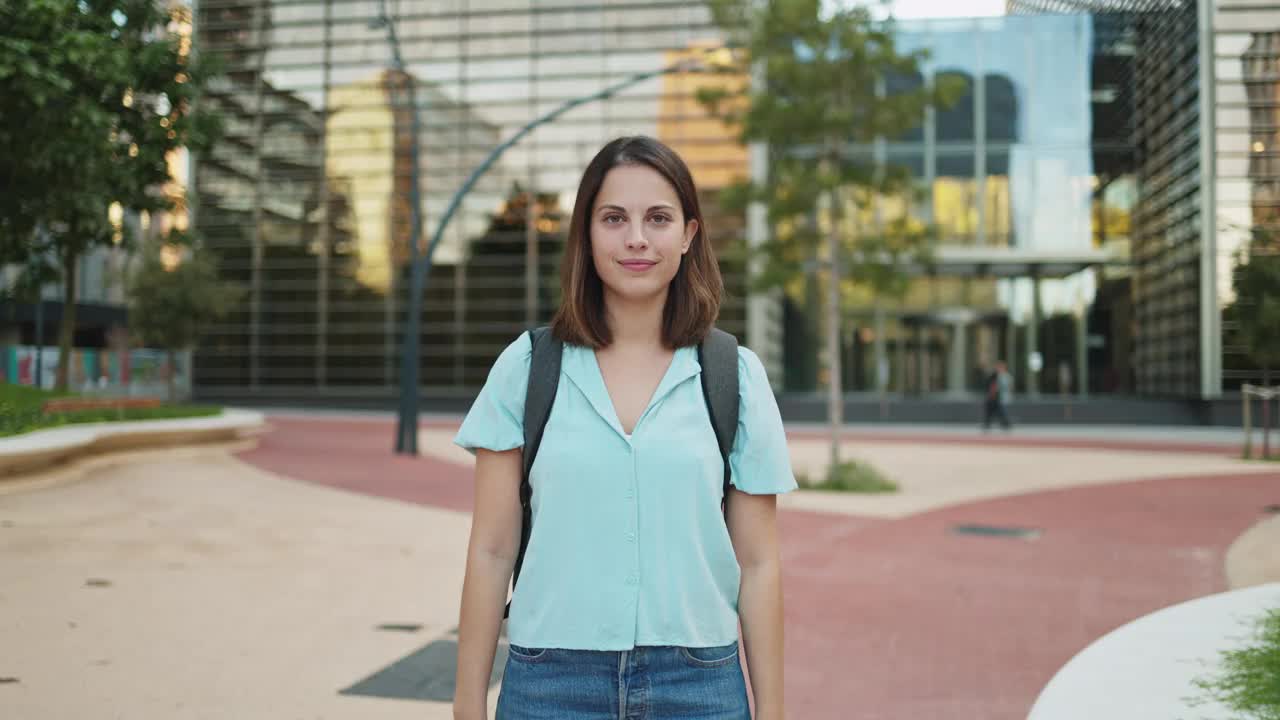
(902, 619)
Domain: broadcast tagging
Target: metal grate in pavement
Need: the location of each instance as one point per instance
(997, 531)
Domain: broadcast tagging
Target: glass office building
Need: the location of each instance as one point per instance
(1029, 182)
(1069, 186)
(1207, 101)
(306, 197)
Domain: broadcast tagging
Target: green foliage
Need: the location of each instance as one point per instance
(850, 477)
(97, 94)
(170, 306)
(21, 411)
(823, 77)
(1247, 680)
(1256, 310)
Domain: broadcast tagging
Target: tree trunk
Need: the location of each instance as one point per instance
(172, 375)
(835, 397)
(1266, 411)
(1247, 422)
(882, 361)
(66, 333)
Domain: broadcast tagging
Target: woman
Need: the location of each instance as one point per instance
(635, 579)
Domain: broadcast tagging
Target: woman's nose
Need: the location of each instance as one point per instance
(636, 239)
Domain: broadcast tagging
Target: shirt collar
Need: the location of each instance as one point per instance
(580, 366)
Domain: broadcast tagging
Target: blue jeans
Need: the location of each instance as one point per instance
(647, 683)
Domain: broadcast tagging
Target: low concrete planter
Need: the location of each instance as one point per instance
(1145, 670)
(30, 452)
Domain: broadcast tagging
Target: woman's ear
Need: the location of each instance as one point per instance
(690, 232)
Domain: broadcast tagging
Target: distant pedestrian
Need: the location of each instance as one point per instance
(999, 391)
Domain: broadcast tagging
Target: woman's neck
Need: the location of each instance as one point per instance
(636, 322)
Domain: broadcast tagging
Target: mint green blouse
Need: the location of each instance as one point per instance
(629, 545)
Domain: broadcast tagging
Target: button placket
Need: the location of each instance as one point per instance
(631, 532)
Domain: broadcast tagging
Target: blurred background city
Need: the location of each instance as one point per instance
(211, 213)
(1090, 189)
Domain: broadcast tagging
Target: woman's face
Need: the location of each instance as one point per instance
(638, 233)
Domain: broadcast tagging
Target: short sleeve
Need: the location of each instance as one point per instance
(496, 419)
(760, 463)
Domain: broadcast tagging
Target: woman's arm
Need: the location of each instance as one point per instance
(753, 528)
(491, 557)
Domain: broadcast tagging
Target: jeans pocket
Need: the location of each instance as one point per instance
(710, 657)
(527, 655)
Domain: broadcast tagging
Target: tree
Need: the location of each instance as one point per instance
(823, 81)
(1256, 309)
(97, 95)
(175, 293)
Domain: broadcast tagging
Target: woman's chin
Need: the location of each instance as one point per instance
(636, 290)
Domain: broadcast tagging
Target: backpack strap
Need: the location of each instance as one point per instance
(540, 395)
(718, 355)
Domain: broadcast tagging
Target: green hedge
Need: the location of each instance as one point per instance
(21, 411)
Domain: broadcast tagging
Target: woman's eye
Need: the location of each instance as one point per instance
(613, 219)
(660, 219)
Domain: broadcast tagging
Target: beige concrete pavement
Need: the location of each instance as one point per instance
(1254, 558)
(232, 593)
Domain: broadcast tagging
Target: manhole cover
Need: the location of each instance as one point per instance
(8, 680)
(399, 627)
(1000, 531)
(98, 582)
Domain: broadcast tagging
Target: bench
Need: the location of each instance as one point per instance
(70, 405)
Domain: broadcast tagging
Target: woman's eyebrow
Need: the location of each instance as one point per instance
(619, 208)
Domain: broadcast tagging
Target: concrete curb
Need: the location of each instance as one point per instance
(40, 450)
(1144, 670)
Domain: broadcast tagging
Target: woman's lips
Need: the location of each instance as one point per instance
(637, 265)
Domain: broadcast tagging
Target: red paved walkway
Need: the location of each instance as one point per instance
(902, 619)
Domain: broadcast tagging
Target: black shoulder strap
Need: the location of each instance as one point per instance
(544, 380)
(718, 355)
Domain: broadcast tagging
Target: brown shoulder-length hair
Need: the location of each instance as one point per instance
(693, 301)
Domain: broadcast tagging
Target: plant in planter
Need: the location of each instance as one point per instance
(1247, 680)
(858, 477)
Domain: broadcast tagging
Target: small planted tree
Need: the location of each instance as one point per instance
(96, 96)
(174, 293)
(821, 83)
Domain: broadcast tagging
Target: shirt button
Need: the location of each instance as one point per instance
(631, 537)
(632, 580)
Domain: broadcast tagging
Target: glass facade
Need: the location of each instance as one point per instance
(305, 198)
(1207, 93)
(1029, 178)
(1029, 181)
(1247, 151)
